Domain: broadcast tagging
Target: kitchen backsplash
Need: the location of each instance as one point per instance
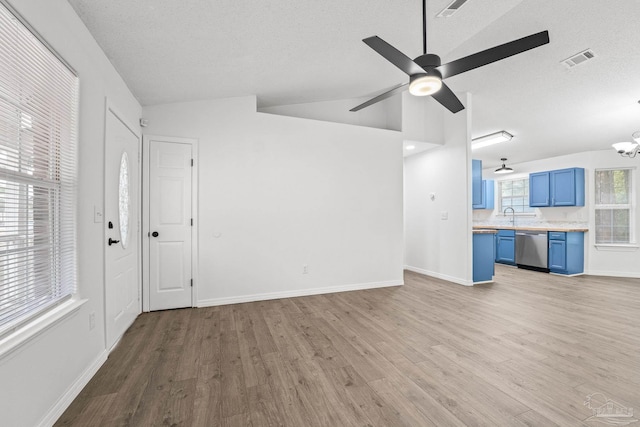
(569, 217)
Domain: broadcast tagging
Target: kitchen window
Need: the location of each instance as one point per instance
(514, 193)
(614, 206)
(38, 120)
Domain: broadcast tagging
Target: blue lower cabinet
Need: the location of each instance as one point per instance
(566, 252)
(506, 247)
(483, 257)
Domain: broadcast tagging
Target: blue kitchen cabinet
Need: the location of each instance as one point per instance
(506, 247)
(476, 182)
(567, 187)
(483, 257)
(562, 187)
(488, 193)
(539, 189)
(566, 252)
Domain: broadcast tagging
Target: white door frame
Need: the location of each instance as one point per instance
(109, 107)
(145, 214)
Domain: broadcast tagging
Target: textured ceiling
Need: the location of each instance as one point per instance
(288, 52)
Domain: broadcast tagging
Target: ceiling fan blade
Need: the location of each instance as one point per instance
(494, 54)
(393, 55)
(448, 99)
(396, 89)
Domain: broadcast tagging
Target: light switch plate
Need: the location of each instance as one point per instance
(97, 214)
(444, 215)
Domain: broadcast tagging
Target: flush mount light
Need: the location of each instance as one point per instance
(424, 84)
(503, 168)
(493, 138)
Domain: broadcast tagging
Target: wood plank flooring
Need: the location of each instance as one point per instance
(526, 350)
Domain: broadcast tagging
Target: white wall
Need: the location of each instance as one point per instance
(435, 246)
(383, 115)
(598, 260)
(39, 379)
(282, 192)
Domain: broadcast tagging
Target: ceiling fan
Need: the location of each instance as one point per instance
(426, 72)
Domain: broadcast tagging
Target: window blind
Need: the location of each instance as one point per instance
(38, 122)
(614, 206)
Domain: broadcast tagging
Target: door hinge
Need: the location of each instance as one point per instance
(191, 162)
(192, 222)
(192, 283)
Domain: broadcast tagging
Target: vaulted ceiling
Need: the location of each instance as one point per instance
(289, 52)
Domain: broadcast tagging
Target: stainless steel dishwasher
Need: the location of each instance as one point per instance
(532, 250)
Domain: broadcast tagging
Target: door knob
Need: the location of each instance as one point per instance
(113, 242)
(154, 234)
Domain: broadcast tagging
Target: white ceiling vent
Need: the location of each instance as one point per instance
(453, 7)
(579, 58)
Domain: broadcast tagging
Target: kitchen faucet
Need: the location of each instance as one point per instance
(513, 215)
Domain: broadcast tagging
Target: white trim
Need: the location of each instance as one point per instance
(567, 275)
(609, 247)
(194, 142)
(613, 274)
(297, 293)
(72, 392)
(437, 275)
(32, 329)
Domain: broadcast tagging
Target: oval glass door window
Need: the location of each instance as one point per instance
(123, 199)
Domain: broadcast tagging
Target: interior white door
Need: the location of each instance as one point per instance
(122, 219)
(170, 225)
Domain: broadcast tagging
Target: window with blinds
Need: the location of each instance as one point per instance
(614, 206)
(38, 115)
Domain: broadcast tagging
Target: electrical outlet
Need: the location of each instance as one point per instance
(92, 320)
(444, 215)
(305, 269)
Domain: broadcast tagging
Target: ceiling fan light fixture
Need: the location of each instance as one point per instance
(491, 139)
(424, 84)
(503, 168)
(624, 147)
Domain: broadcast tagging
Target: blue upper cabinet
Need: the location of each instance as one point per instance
(539, 189)
(476, 182)
(563, 187)
(567, 187)
(488, 195)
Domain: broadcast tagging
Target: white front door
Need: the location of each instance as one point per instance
(122, 219)
(170, 225)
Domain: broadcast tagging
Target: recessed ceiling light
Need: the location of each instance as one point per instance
(410, 147)
(494, 138)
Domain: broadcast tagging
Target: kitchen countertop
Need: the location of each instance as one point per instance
(484, 230)
(527, 228)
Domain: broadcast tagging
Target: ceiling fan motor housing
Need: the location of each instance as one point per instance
(428, 60)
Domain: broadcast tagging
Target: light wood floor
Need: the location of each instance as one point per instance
(526, 350)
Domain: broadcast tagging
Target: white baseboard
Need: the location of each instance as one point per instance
(72, 392)
(613, 274)
(437, 275)
(296, 293)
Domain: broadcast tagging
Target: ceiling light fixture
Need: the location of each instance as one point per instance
(424, 84)
(410, 147)
(628, 149)
(503, 168)
(493, 138)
